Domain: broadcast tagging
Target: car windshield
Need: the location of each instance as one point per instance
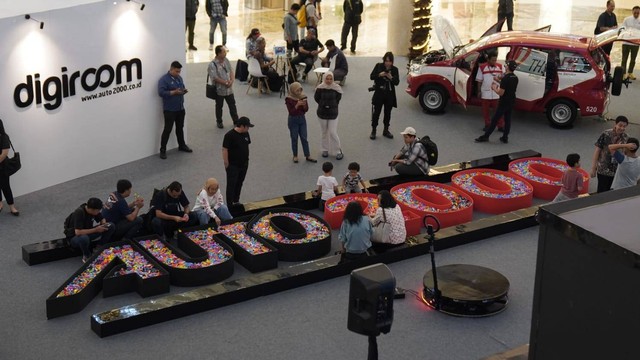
(463, 49)
(599, 58)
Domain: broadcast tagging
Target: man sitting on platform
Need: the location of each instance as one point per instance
(86, 224)
(125, 215)
(308, 52)
(341, 67)
(412, 158)
(171, 211)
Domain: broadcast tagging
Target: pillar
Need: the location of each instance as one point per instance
(399, 26)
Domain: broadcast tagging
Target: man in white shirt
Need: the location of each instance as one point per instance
(488, 73)
(631, 22)
(628, 171)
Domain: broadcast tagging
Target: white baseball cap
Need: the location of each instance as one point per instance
(409, 131)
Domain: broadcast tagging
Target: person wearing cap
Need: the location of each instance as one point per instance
(290, 27)
(412, 158)
(217, 11)
(171, 89)
(341, 67)
(252, 43)
(507, 92)
(235, 155)
(308, 52)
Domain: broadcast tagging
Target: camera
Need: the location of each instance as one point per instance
(390, 164)
(373, 88)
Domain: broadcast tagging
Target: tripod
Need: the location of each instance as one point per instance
(432, 239)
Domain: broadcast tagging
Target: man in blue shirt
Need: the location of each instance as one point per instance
(171, 89)
(116, 210)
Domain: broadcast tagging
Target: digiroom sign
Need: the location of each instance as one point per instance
(106, 79)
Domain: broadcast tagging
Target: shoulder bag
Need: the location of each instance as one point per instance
(12, 165)
(382, 231)
(212, 93)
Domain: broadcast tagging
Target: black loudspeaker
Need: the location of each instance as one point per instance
(371, 300)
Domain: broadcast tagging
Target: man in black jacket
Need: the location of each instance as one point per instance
(190, 24)
(217, 11)
(352, 18)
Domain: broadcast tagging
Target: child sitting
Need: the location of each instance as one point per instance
(327, 184)
(571, 180)
(352, 178)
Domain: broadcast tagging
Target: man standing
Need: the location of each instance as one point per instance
(235, 155)
(313, 15)
(190, 24)
(221, 74)
(125, 216)
(171, 211)
(86, 224)
(308, 52)
(341, 67)
(507, 92)
(412, 158)
(290, 26)
(603, 165)
(631, 22)
(352, 18)
(505, 10)
(607, 21)
(488, 73)
(217, 11)
(628, 172)
(171, 89)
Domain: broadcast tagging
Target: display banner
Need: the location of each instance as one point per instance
(80, 95)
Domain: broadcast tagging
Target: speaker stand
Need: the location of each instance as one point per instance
(373, 348)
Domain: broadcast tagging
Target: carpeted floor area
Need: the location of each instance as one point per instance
(309, 322)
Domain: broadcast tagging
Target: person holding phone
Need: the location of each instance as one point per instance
(171, 89)
(86, 224)
(297, 106)
(385, 78)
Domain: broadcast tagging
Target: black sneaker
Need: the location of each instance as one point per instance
(482, 139)
(387, 134)
(373, 135)
(343, 48)
(185, 148)
(191, 47)
(163, 155)
(220, 126)
(504, 140)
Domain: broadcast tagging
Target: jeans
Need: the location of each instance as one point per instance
(213, 22)
(298, 127)
(171, 117)
(5, 187)
(235, 178)
(345, 32)
(126, 229)
(189, 27)
(84, 241)
(626, 51)
(502, 111)
(222, 212)
(168, 227)
(231, 103)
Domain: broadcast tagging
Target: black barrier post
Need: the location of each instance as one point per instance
(432, 239)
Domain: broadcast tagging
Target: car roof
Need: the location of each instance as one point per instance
(537, 38)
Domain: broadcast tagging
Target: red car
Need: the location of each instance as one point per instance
(559, 74)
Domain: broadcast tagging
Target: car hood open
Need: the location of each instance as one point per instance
(447, 34)
(619, 34)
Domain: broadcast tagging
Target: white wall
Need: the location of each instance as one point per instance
(80, 138)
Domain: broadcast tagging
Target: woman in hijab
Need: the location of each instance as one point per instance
(297, 106)
(5, 186)
(328, 95)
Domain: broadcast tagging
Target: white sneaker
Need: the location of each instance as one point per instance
(210, 46)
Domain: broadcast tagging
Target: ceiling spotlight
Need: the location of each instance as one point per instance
(139, 3)
(28, 17)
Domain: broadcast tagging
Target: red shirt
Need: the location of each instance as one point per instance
(571, 181)
(293, 110)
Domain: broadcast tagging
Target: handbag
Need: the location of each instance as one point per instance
(212, 93)
(382, 231)
(12, 165)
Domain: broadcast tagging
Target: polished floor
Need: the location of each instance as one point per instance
(470, 17)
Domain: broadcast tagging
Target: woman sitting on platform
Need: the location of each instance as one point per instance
(355, 232)
(389, 215)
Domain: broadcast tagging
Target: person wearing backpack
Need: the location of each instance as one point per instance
(412, 158)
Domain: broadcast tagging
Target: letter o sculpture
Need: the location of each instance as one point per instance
(545, 175)
(450, 205)
(494, 191)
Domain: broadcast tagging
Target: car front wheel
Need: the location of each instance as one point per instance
(562, 113)
(433, 99)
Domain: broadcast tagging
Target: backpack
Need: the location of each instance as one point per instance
(430, 148)
(302, 17)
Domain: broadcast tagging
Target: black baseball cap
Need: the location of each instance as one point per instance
(244, 121)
